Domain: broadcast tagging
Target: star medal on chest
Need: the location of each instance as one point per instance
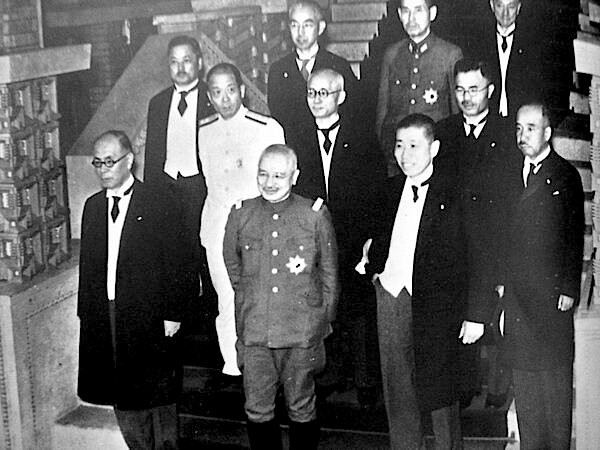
(297, 264)
(430, 96)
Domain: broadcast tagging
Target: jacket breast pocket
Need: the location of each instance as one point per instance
(250, 249)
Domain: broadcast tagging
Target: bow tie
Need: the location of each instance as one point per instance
(415, 189)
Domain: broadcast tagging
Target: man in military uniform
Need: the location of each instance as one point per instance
(230, 144)
(281, 256)
(416, 76)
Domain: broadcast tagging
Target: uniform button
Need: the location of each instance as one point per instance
(274, 234)
(416, 56)
(413, 86)
(275, 252)
(415, 70)
(275, 216)
(275, 289)
(274, 270)
(397, 81)
(412, 101)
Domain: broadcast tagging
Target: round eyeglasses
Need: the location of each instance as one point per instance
(321, 93)
(108, 162)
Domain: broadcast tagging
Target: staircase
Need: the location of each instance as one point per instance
(353, 25)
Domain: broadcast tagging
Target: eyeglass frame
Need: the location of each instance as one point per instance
(108, 162)
(473, 90)
(321, 93)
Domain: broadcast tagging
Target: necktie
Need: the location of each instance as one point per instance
(303, 69)
(114, 212)
(504, 44)
(530, 174)
(472, 127)
(182, 106)
(327, 144)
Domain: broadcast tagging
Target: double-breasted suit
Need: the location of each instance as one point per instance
(439, 284)
(287, 89)
(150, 282)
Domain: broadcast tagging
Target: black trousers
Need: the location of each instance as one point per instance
(544, 403)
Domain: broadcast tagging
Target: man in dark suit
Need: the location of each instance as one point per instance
(478, 142)
(132, 284)
(341, 164)
(287, 76)
(417, 263)
(171, 158)
(515, 55)
(542, 284)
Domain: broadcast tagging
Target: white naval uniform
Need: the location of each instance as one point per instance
(229, 153)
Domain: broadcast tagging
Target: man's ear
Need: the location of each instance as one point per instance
(491, 89)
(547, 133)
(199, 65)
(322, 26)
(341, 97)
(434, 148)
(295, 176)
(432, 13)
(243, 90)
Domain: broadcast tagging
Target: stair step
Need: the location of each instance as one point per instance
(352, 51)
(357, 12)
(355, 66)
(352, 31)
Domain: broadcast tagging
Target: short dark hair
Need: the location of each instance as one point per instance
(542, 106)
(119, 135)
(186, 40)
(474, 65)
(429, 3)
(222, 68)
(309, 4)
(418, 120)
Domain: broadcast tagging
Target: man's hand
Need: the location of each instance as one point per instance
(565, 302)
(470, 332)
(171, 328)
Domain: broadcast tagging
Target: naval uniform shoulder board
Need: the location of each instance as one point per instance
(208, 120)
(317, 204)
(257, 117)
(238, 204)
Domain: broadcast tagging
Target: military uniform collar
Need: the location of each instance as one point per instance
(279, 206)
(421, 47)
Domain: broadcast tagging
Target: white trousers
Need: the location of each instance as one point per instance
(225, 321)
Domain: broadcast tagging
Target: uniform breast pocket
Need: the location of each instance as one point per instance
(251, 249)
(302, 251)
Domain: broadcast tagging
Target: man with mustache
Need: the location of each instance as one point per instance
(416, 76)
(477, 140)
(542, 280)
(171, 158)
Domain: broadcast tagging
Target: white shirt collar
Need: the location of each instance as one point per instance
(185, 87)
(505, 31)
(423, 176)
(326, 122)
(119, 192)
(538, 159)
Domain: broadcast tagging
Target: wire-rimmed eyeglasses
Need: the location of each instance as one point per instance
(473, 90)
(108, 162)
(321, 93)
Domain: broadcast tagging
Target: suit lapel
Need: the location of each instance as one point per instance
(164, 108)
(134, 215)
